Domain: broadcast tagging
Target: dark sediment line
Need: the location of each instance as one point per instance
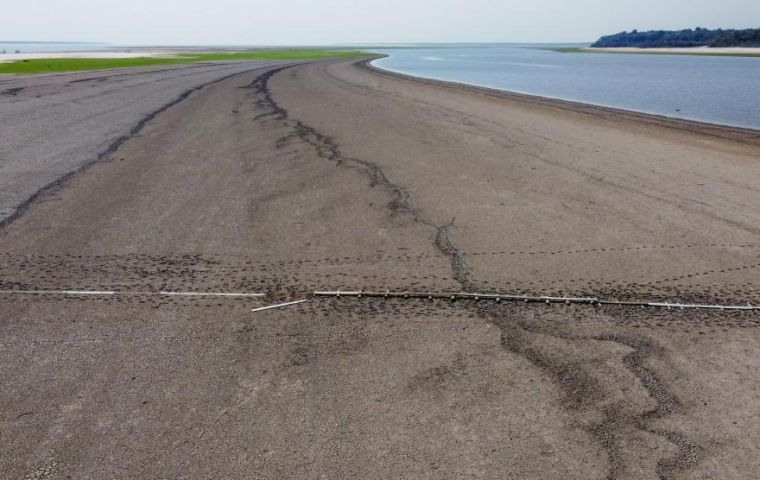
(604, 433)
(327, 148)
(24, 206)
(176, 68)
(688, 452)
(12, 92)
(582, 392)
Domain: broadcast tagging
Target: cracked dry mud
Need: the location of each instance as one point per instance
(330, 175)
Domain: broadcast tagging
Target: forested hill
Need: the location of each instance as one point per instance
(700, 37)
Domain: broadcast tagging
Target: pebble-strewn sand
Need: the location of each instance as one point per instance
(289, 178)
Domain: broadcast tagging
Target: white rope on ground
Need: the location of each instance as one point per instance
(279, 305)
(412, 295)
(211, 294)
(532, 299)
(56, 292)
(114, 293)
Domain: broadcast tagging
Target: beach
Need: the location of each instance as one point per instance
(683, 51)
(289, 178)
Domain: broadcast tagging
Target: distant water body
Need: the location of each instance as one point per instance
(50, 47)
(721, 90)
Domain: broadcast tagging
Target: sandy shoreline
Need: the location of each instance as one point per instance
(691, 51)
(284, 178)
(724, 131)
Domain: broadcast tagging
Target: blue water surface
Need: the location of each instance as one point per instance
(722, 90)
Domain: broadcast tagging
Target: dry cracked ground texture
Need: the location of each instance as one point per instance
(328, 175)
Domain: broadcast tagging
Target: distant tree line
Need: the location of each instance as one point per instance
(699, 37)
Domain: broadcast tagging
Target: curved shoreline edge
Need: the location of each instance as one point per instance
(728, 132)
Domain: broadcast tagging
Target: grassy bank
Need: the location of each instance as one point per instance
(645, 52)
(52, 65)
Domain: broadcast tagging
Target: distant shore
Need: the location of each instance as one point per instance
(706, 51)
(77, 61)
(103, 54)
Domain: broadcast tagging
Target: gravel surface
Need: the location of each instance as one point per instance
(329, 175)
(52, 125)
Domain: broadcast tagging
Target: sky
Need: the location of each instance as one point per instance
(327, 22)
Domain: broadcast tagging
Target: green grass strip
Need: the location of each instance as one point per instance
(53, 65)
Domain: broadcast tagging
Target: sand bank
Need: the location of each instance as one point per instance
(689, 51)
(329, 175)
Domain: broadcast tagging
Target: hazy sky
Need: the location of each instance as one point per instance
(281, 22)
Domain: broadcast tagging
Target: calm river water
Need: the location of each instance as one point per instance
(724, 90)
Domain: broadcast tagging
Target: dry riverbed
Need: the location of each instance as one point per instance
(288, 178)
